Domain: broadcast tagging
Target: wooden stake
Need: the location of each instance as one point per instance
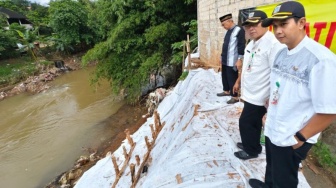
(116, 168)
(148, 143)
(179, 178)
(129, 138)
(145, 158)
(125, 152)
(152, 130)
(157, 117)
(137, 158)
(124, 166)
(132, 168)
(183, 59)
(157, 123)
(188, 50)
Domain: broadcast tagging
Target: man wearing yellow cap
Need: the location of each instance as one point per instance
(255, 85)
(302, 100)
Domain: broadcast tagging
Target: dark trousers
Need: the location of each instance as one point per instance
(229, 77)
(250, 125)
(283, 164)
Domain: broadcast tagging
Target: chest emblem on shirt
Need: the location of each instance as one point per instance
(276, 94)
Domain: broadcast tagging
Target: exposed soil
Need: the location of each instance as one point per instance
(317, 176)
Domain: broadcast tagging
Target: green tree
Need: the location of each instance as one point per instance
(140, 39)
(7, 44)
(38, 15)
(68, 18)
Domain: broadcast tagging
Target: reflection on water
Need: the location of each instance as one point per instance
(42, 135)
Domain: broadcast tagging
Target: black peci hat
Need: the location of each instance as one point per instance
(285, 10)
(225, 17)
(255, 17)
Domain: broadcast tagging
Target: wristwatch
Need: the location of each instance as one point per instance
(300, 136)
(241, 58)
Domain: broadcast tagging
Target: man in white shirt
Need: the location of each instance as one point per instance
(255, 85)
(302, 101)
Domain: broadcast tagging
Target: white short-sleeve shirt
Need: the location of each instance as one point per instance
(258, 58)
(303, 83)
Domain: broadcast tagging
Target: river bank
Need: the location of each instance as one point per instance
(39, 83)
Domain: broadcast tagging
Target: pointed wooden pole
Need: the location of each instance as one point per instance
(129, 138)
(188, 51)
(132, 168)
(116, 168)
(137, 158)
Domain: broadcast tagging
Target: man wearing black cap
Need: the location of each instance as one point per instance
(302, 101)
(254, 80)
(232, 52)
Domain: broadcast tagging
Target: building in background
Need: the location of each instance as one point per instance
(14, 17)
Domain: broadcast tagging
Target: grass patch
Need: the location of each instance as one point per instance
(324, 156)
(15, 70)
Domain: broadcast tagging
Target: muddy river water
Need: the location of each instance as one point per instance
(42, 135)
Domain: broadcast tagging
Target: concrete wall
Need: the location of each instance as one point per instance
(210, 32)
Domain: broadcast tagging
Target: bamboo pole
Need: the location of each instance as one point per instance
(178, 178)
(125, 152)
(153, 131)
(137, 177)
(124, 166)
(148, 144)
(157, 123)
(137, 158)
(183, 59)
(114, 161)
(188, 51)
(129, 138)
(132, 168)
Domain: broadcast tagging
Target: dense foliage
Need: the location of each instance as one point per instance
(68, 19)
(7, 44)
(139, 40)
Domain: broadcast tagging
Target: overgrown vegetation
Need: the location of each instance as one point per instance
(139, 41)
(11, 73)
(69, 20)
(325, 156)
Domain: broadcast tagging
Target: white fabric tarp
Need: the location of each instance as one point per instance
(197, 141)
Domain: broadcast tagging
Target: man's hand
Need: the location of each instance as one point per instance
(299, 144)
(236, 87)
